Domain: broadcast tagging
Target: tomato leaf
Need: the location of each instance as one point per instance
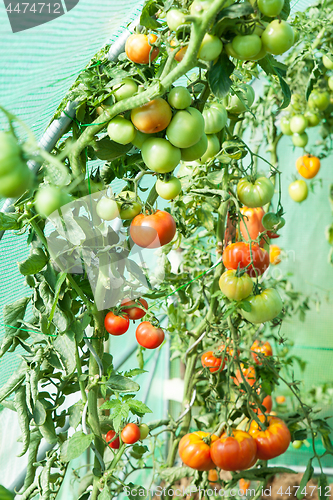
(218, 76)
(323, 486)
(206, 218)
(245, 305)
(9, 221)
(106, 494)
(146, 19)
(34, 263)
(65, 347)
(314, 77)
(134, 372)
(61, 278)
(12, 314)
(285, 12)
(39, 413)
(136, 492)
(173, 474)
(305, 479)
(5, 494)
(138, 408)
(235, 11)
(118, 383)
(105, 149)
(273, 67)
(75, 446)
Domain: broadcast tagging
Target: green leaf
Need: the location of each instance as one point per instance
(146, 19)
(9, 221)
(6, 494)
(135, 492)
(206, 218)
(285, 12)
(137, 272)
(34, 263)
(65, 348)
(329, 234)
(12, 314)
(109, 405)
(245, 305)
(47, 430)
(75, 446)
(323, 487)
(134, 372)
(173, 474)
(313, 78)
(119, 383)
(119, 414)
(105, 149)
(39, 413)
(285, 90)
(266, 387)
(305, 479)
(218, 76)
(273, 67)
(216, 176)
(23, 419)
(235, 11)
(138, 451)
(106, 494)
(138, 408)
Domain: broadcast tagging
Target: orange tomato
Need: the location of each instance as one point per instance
(213, 478)
(280, 400)
(273, 441)
(194, 452)
(244, 485)
(151, 117)
(139, 48)
(236, 452)
(308, 166)
(267, 403)
(261, 347)
(274, 253)
(181, 52)
(251, 223)
(249, 374)
(210, 361)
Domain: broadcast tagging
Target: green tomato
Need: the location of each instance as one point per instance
(140, 138)
(262, 53)
(285, 125)
(233, 287)
(264, 307)
(255, 194)
(175, 18)
(125, 89)
(160, 155)
(210, 48)
(10, 153)
(319, 100)
(272, 221)
(313, 118)
(246, 46)
(270, 8)
(168, 189)
(330, 82)
(144, 431)
(49, 199)
(278, 37)
(300, 140)
(186, 128)
(15, 183)
(179, 98)
(129, 205)
(298, 190)
(215, 117)
(297, 444)
(213, 148)
(107, 209)
(230, 50)
(235, 105)
(328, 61)
(121, 130)
(196, 151)
(298, 124)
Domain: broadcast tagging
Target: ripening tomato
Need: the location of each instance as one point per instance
(179, 98)
(213, 478)
(262, 347)
(126, 88)
(249, 374)
(107, 209)
(186, 128)
(130, 434)
(236, 452)
(179, 56)
(213, 147)
(49, 199)
(135, 309)
(139, 48)
(280, 400)
(195, 452)
(116, 325)
(264, 307)
(308, 166)
(298, 124)
(153, 231)
(285, 125)
(273, 441)
(121, 130)
(210, 48)
(115, 443)
(229, 350)
(246, 46)
(169, 188)
(298, 190)
(267, 403)
(255, 194)
(278, 37)
(239, 254)
(144, 431)
(244, 485)
(300, 140)
(160, 155)
(148, 335)
(153, 116)
(129, 205)
(318, 100)
(196, 151)
(270, 8)
(251, 223)
(233, 287)
(208, 360)
(215, 117)
(274, 254)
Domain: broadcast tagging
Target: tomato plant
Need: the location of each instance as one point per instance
(235, 452)
(116, 325)
(149, 336)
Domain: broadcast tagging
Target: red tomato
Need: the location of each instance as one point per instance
(149, 336)
(130, 434)
(194, 452)
(153, 231)
(238, 254)
(273, 441)
(116, 325)
(236, 452)
(138, 48)
(152, 117)
(115, 443)
(132, 310)
(249, 374)
(210, 361)
(251, 223)
(262, 347)
(267, 403)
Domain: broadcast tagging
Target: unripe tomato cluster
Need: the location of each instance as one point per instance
(15, 176)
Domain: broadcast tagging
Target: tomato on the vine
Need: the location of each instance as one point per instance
(195, 452)
(285, 125)
(233, 287)
(300, 140)
(130, 434)
(151, 117)
(313, 118)
(274, 254)
(139, 48)
(273, 441)
(318, 100)
(280, 400)
(239, 255)
(215, 117)
(210, 48)
(198, 149)
(246, 46)
(116, 325)
(107, 209)
(264, 307)
(126, 88)
(134, 309)
(186, 128)
(144, 431)
(255, 194)
(208, 360)
(121, 130)
(160, 155)
(169, 188)
(248, 373)
(213, 147)
(179, 98)
(129, 205)
(148, 335)
(153, 231)
(298, 124)
(298, 190)
(49, 199)
(235, 452)
(175, 18)
(272, 221)
(250, 224)
(262, 347)
(113, 444)
(327, 61)
(308, 166)
(278, 37)
(244, 485)
(270, 8)
(235, 105)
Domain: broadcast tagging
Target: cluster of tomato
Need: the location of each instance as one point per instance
(130, 434)
(15, 176)
(147, 335)
(308, 167)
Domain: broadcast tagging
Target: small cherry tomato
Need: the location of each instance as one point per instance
(274, 254)
(115, 443)
(144, 431)
(116, 325)
(130, 434)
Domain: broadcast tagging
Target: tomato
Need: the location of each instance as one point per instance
(115, 443)
(168, 189)
(264, 307)
(248, 373)
(230, 51)
(153, 116)
(298, 124)
(121, 130)
(272, 221)
(251, 223)
(49, 199)
(278, 37)
(10, 153)
(160, 155)
(255, 194)
(144, 431)
(246, 46)
(213, 147)
(300, 140)
(262, 347)
(313, 118)
(175, 18)
(153, 231)
(267, 403)
(330, 83)
(107, 209)
(297, 444)
(133, 309)
(239, 255)
(196, 151)
(139, 48)
(215, 117)
(186, 128)
(116, 325)
(270, 8)
(179, 56)
(327, 61)
(208, 360)
(298, 190)
(194, 452)
(235, 105)
(130, 434)
(213, 477)
(233, 287)
(274, 254)
(285, 125)
(236, 452)
(140, 138)
(149, 336)
(179, 98)
(318, 100)
(229, 351)
(129, 205)
(17, 181)
(280, 400)
(273, 441)
(125, 89)
(308, 166)
(244, 485)
(210, 48)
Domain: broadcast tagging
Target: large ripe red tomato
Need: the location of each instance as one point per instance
(263, 347)
(133, 309)
(236, 452)
(238, 254)
(130, 434)
(210, 361)
(153, 231)
(115, 443)
(152, 117)
(273, 441)
(139, 48)
(116, 325)
(194, 452)
(251, 223)
(149, 336)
